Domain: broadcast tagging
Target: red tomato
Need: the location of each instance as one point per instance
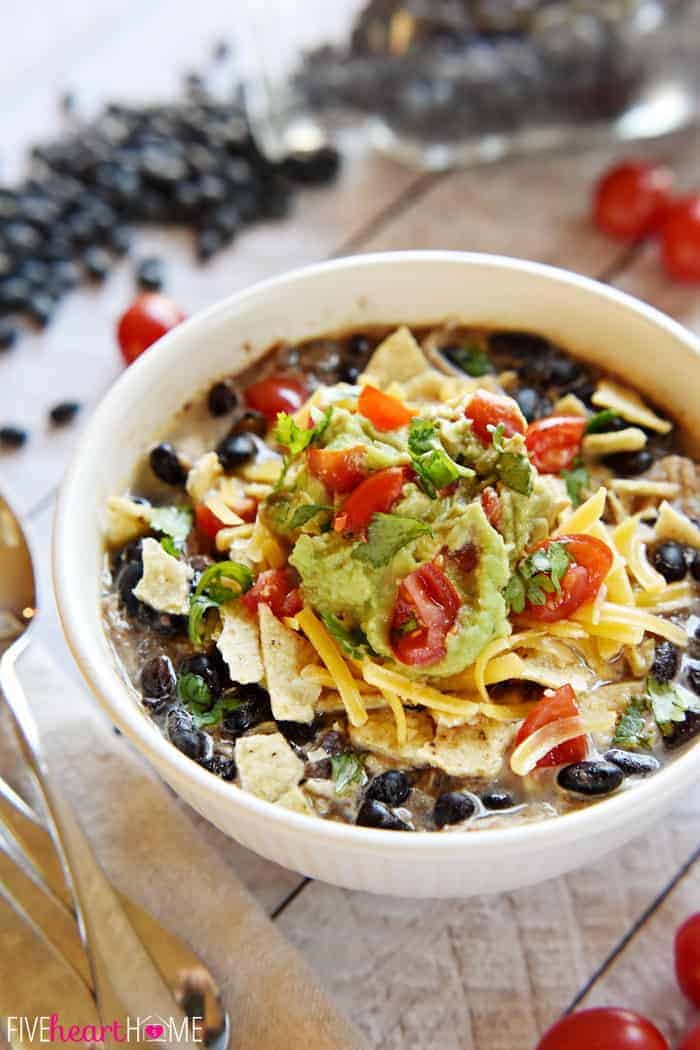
(486, 409)
(341, 469)
(692, 1040)
(207, 523)
(376, 494)
(603, 1028)
(426, 608)
(631, 200)
(276, 393)
(555, 442)
(491, 504)
(149, 317)
(680, 240)
(592, 561)
(383, 411)
(561, 704)
(687, 949)
(277, 588)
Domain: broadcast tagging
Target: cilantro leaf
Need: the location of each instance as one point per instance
(537, 576)
(387, 534)
(211, 592)
(352, 640)
(498, 434)
(670, 702)
(191, 688)
(470, 359)
(632, 731)
(203, 716)
(175, 523)
(601, 422)
(170, 547)
(576, 479)
(515, 593)
(515, 472)
(433, 465)
(302, 515)
(348, 768)
(294, 438)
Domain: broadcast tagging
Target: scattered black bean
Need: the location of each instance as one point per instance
(158, 681)
(181, 730)
(590, 778)
(359, 345)
(222, 399)
(64, 412)
(669, 559)
(221, 767)
(209, 242)
(349, 373)
(497, 798)
(97, 262)
(629, 464)
(203, 665)
(631, 763)
(321, 770)
(254, 709)
(453, 807)
(250, 422)
(166, 465)
(13, 437)
(666, 660)
(297, 733)
(519, 344)
(127, 579)
(41, 308)
(312, 166)
(681, 732)
(392, 788)
(333, 742)
(695, 566)
(8, 335)
(375, 814)
(533, 405)
(694, 678)
(235, 450)
(150, 274)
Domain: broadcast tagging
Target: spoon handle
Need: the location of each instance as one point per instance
(126, 982)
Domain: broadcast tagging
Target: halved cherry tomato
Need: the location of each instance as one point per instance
(492, 507)
(554, 443)
(148, 318)
(376, 494)
(631, 199)
(603, 1028)
(426, 608)
(383, 411)
(692, 1039)
(680, 240)
(207, 523)
(486, 409)
(592, 561)
(276, 393)
(561, 704)
(277, 588)
(687, 952)
(340, 469)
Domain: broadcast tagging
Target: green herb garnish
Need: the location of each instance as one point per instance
(211, 592)
(537, 576)
(170, 547)
(434, 466)
(470, 359)
(192, 689)
(387, 534)
(175, 523)
(670, 702)
(632, 731)
(302, 515)
(576, 479)
(512, 468)
(294, 438)
(352, 640)
(348, 769)
(601, 422)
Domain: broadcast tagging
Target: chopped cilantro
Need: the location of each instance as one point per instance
(576, 479)
(632, 731)
(175, 523)
(670, 702)
(353, 641)
(192, 689)
(387, 534)
(302, 515)
(348, 769)
(537, 576)
(470, 359)
(434, 467)
(497, 433)
(601, 422)
(211, 592)
(294, 438)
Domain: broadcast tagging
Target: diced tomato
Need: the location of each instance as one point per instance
(277, 588)
(492, 507)
(148, 318)
(488, 410)
(631, 199)
(555, 442)
(207, 523)
(276, 393)
(426, 608)
(383, 411)
(561, 704)
(341, 469)
(592, 561)
(376, 494)
(247, 508)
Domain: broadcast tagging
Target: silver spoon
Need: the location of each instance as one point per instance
(126, 982)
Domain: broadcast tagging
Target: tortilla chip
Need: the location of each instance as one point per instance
(296, 800)
(239, 644)
(204, 476)
(378, 734)
(397, 359)
(126, 520)
(285, 653)
(267, 765)
(474, 750)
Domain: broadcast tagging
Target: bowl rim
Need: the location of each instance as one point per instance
(115, 699)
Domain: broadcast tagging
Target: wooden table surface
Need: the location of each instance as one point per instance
(488, 973)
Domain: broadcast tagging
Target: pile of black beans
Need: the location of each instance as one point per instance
(192, 163)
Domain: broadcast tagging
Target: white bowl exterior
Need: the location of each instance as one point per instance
(596, 322)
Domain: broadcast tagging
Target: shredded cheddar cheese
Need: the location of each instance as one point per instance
(331, 656)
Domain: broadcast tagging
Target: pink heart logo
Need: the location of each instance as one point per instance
(153, 1031)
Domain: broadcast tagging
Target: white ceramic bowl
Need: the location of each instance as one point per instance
(596, 322)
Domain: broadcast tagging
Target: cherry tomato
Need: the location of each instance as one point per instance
(277, 588)
(426, 608)
(687, 950)
(486, 409)
(561, 704)
(207, 523)
(592, 561)
(383, 411)
(148, 318)
(554, 443)
(276, 393)
(603, 1028)
(341, 469)
(692, 1040)
(631, 200)
(376, 494)
(491, 505)
(680, 240)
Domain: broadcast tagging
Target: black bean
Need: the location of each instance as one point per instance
(496, 798)
(130, 552)
(64, 275)
(166, 465)
(13, 437)
(519, 344)
(321, 770)
(158, 681)
(359, 345)
(64, 412)
(8, 335)
(150, 274)
(669, 559)
(209, 242)
(127, 579)
(97, 262)
(533, 405)
(250, 422)
(181, 730)
(221, 399)
(563, 370)
(221, 767)
(236, 450)
(41, 309)
(312, 166)
(375, 814)
(15, 293)
(666, 659)
(349, 373)
(629, 464)
(167, 625)
(392, 788)
(453, 807)
(694, 678)
(297, 732)
(681, 732)
(203, 665)
(632, 764)
(254, 709)
(590, 778)
(120, 239)
(333, 742)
